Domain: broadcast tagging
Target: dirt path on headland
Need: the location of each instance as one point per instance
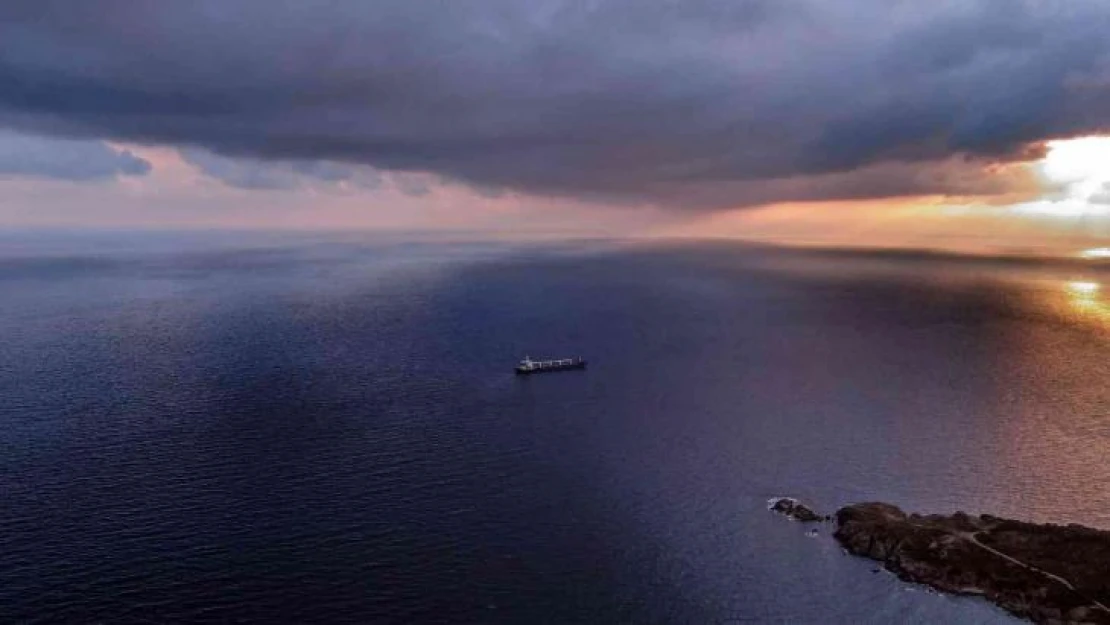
(973, 537)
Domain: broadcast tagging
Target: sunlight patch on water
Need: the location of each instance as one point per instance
(1083, 288)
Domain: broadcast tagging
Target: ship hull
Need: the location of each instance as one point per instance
(551, 368)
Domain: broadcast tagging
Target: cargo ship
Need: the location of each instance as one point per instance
(541, 366)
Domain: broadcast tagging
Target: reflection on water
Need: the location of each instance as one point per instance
(1083, 289)
(332, 434)
(1084, 297)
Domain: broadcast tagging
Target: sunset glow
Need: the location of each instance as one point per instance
(1076, 175)
(547, 122)
(1081, 166)
(1096, 253)
(271, 272)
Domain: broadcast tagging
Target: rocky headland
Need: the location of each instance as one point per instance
(1053, 574)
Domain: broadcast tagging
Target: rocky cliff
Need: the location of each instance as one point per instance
(1045, 573)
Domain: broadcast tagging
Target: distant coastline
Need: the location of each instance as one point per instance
(1009, 256)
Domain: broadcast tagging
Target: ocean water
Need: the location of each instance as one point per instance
(234, 429)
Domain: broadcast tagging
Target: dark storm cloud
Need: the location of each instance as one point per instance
(678, 102)
(65, 159)
(290, 174)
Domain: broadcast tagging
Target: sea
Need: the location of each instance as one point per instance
(247, 428)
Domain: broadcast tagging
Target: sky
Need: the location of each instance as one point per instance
(858, 120)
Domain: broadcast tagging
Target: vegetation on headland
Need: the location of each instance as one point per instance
(1052, 574)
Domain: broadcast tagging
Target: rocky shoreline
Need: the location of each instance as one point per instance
(795, 510)
(1052, 574)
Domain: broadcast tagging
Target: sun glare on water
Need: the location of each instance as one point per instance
(1084, 298)
(1081, 287)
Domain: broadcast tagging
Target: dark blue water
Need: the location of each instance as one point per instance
(208, 430)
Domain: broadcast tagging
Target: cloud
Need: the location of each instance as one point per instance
(691, 103)
(413, 185)
(65, 159)
(253, 174)
(1101, 196)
